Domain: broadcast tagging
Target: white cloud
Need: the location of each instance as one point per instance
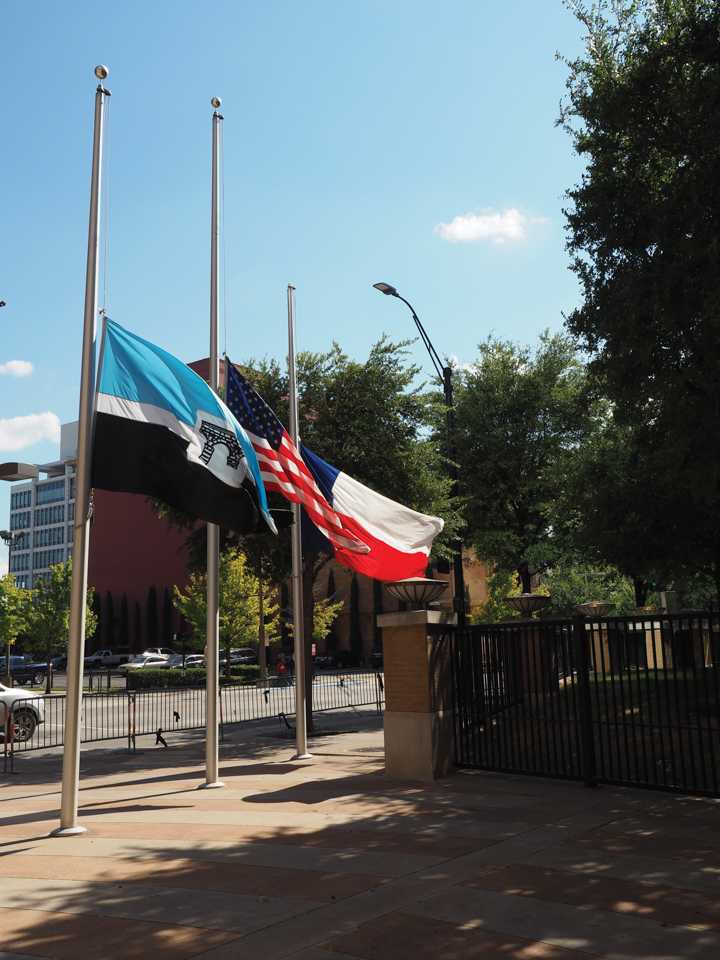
(499, 227)
(19, 432)
(16, 368)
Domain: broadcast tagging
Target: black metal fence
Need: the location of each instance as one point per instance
(626, 700)
(36, 723)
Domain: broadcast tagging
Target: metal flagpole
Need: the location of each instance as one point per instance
(213, 530)
(81, 539)
(298, 625)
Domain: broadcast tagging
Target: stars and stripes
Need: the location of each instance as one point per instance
(282, 467)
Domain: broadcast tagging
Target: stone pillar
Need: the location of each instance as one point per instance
(418, 694)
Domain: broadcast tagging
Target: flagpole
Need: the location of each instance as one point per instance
(298, 625)
(213, 530)
(81, 539)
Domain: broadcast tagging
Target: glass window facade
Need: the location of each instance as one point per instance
(20, 521)
(48, 537)
(19, 561)
(23, 498)
(46, 558)
(49, 492)
(46, 515)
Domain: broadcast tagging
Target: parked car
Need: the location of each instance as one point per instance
(26, 716)
(191, 660)
(25, 670)
(243, 655)
(16, 660)
(105, 658)
(59, 664)
(150, 660)
(324, 662)
(158, 652)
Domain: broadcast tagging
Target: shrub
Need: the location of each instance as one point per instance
(192, 677)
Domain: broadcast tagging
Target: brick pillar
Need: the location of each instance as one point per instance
(418, 718)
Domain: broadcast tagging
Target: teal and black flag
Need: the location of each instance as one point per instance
(160, 430)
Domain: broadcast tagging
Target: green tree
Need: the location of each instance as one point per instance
(49, 615)
(325, 614)
(643, 110)
(521, 416)
(14, 606)
(239, 605)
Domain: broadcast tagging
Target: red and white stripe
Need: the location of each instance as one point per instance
(284, 470)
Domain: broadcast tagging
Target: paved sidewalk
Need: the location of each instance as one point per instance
(328, 860)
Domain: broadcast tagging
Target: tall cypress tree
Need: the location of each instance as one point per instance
(108, 633)
(377, 609)
(124, 622)
(355, 631)
(151, 619)
(167, 618)
(137, 644)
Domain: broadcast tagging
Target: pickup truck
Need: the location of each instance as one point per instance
(102, 659)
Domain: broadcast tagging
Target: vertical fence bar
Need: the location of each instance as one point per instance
(585, 704)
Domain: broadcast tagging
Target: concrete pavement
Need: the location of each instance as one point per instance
(329, 860)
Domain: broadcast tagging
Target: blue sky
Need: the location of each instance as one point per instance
(402, 140)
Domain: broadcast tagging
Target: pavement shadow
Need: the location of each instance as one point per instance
(436, 870)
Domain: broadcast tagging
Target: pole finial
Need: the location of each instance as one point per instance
(101, 71)
(216, 102)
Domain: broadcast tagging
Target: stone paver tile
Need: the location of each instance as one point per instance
(340, 838)
(192, 874)
(403, 935)
(654, 843)
(63, 936)
(133, 901)
(348, 860)
(585, 860)
(576, 928)
(322, 952)
(664, 904)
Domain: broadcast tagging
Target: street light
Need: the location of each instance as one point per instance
(444, 373)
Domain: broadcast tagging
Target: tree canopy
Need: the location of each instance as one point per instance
(521, 416)
(643, 110)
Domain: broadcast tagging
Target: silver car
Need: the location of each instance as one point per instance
(27, 711)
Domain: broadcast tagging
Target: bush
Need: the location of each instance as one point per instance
(192, 677)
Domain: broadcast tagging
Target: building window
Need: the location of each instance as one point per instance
(48, 515)
(20, 499)
(71, 488)
(49, 536)
(48, 492)
(20, 521)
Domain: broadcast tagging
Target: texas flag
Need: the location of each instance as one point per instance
(365, 531)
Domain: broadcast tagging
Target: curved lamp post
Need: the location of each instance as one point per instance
(444, 373)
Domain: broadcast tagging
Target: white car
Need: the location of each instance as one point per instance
(26, 716)
(151, 660)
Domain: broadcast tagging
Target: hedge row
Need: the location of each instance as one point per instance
(191, 677)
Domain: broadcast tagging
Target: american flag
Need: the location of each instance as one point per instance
(281, 465)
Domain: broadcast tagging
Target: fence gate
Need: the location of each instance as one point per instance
(626, 700)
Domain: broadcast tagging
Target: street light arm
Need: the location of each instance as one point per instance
(434, 356)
